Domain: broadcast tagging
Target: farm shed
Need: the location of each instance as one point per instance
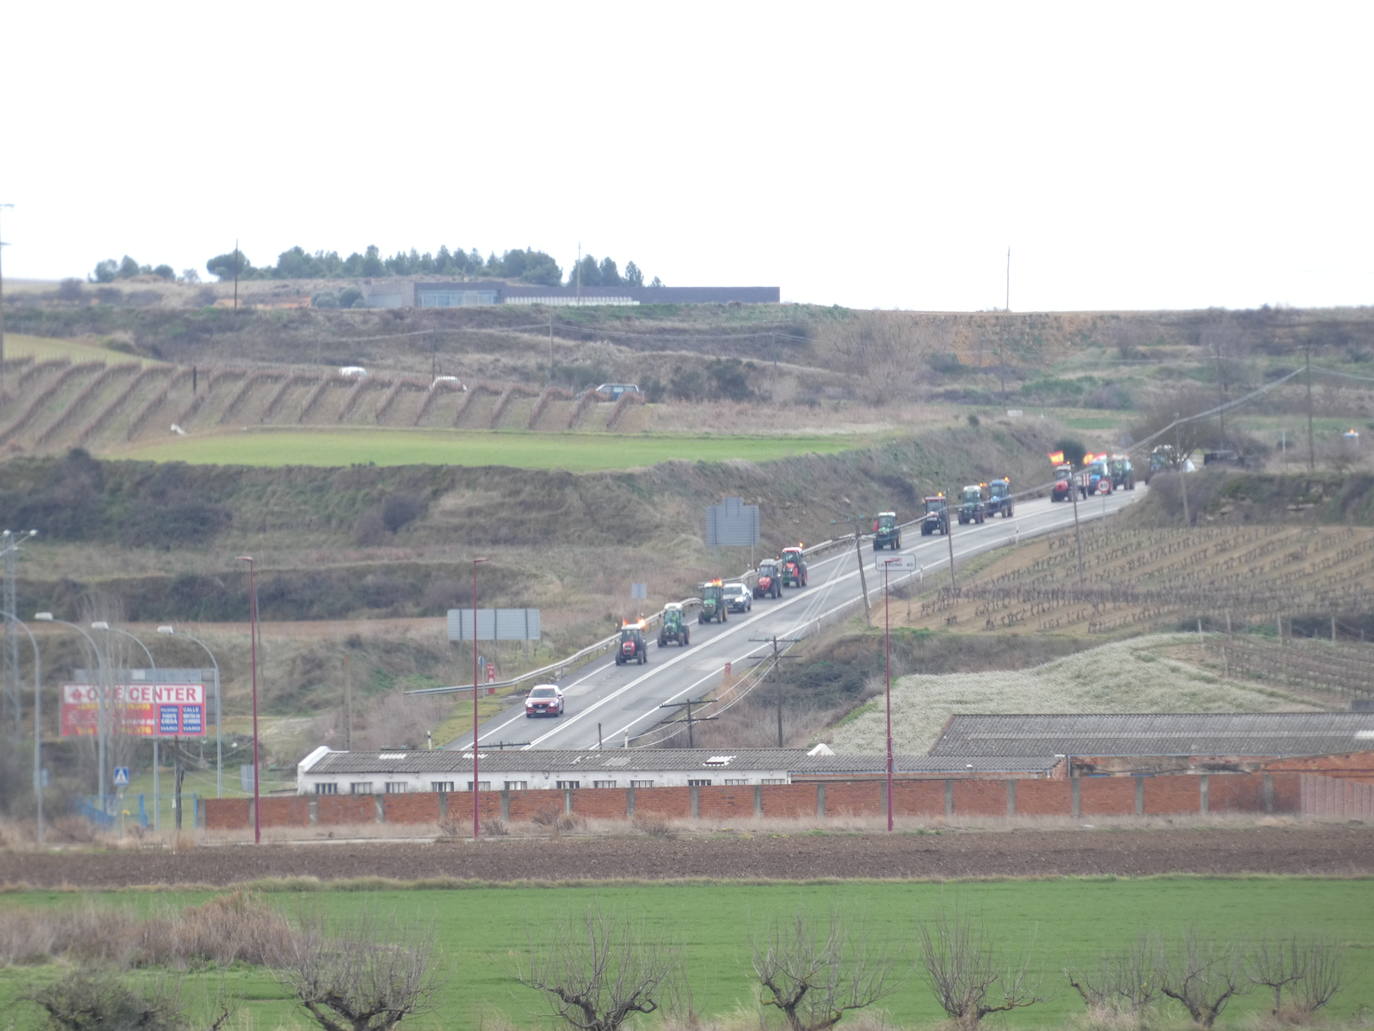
(1108, 735)
(402, 772)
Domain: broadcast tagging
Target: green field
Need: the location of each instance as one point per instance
(485, 931)
(46, 348)
(575, 452)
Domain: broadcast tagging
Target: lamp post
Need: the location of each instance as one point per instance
(10, 543)
(103, 625)
(476, 821)
(219, 731)
(37, 722)
(102, 720)
(253, 661)
(887, 660)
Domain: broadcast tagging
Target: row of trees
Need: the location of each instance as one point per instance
(526, 266)
(109, 270)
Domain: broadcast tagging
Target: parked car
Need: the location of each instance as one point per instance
(352, 372)
(614, 390)
(738, 596)
(544, 700)
(452, 382)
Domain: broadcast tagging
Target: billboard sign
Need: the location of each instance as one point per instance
(140, 710)
(494, 624)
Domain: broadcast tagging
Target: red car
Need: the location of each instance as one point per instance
(544, 700)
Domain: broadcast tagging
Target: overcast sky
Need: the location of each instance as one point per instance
(885, 155)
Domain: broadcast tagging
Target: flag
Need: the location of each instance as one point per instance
(1056, 457)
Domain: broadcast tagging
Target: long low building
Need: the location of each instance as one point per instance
(327, 772)
(405, 293)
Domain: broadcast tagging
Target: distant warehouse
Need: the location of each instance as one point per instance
(394, 293)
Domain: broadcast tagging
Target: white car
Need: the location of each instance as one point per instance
(353, 372)
(449, 381)
(544, 700)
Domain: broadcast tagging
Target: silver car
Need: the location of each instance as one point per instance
(738, 597)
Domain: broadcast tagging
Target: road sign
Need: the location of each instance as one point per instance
(895, 563)
(121, 776)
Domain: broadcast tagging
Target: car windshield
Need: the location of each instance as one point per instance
(544, 692)
(734, 588)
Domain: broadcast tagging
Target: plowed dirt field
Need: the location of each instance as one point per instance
(1317, 850)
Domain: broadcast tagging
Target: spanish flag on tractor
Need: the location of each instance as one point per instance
(1056, 457)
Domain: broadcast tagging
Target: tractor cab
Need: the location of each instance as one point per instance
(999, 497)
(631, 647)
(768, 580)
(971, 506)
(936, 518)
(886, 533)
(674, 626)
(1099, 475)
(1063, 482)
(712, 602)
(1123, 474)
(793, 567)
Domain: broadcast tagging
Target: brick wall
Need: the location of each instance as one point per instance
(1348, 766)
(1177, 794)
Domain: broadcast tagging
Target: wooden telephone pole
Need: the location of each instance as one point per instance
(775, 640)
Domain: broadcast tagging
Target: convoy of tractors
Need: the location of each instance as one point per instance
(1099, 474)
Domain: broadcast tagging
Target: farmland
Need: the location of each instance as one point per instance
(483, 932)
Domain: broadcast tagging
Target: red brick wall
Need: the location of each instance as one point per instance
(1106, 796)
(526, 805)
(673, 803)
(1351, 765)
(421, 807)
(918, 798)
(1287, 792)
(600, 803)
(1169, 796)
(726, 803)
(863, 797)
(980, 798)
(460, 805)
(347, 809)
(1235, 794)
(787, 800)
(228, 814)
(1044, 798)
(283, 812)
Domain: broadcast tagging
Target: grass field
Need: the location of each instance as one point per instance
(485, 933)
(575, 452)
(46, 348)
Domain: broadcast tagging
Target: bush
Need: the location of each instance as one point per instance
(86, 1001)
(400, 509)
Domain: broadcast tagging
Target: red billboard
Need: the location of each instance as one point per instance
(141, 710)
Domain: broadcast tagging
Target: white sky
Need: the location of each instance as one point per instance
(1131, 155)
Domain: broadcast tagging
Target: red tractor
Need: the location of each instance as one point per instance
(1063, 483)
(631, 647)
(793, 567)
(768, 582)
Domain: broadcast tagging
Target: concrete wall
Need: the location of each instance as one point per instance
(1170, 795)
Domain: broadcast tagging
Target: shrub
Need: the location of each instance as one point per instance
(86, 1001)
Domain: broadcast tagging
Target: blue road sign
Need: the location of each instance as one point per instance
(121, 776)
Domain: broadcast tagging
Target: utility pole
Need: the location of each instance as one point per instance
(550, 383)
(777, 664)
(1311, 446)
(2, 317)
(1008, 298)
(690, 719)
(1182, 474)
(1077, 530)
(236, 275)
(858, 521)
(10, 542)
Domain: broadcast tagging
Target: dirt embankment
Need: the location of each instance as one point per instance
(1321, 851)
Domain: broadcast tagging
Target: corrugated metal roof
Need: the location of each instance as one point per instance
(792, 761)
(1110, 734)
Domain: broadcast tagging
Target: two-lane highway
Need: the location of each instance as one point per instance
(607, 703)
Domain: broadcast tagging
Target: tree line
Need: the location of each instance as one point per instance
(526, 266)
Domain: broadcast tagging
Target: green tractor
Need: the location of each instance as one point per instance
(886, 532)
(712, 602)
(674, 626)
(972, 505)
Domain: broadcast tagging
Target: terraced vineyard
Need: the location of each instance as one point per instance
(106, 406)
(1132, 581)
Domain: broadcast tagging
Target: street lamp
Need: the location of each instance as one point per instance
(476, 824)
(253, 661)
(37, 722)
(887, 659)
(102, 720)
(101, 624)
(219, 733)
(10, 541)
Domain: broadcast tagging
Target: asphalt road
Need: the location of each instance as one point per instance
(605, 703)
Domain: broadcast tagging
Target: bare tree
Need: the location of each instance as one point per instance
(360, 980)
(1124, 983)
(601, 971)
(1310, 971)
(815, 976)
(963, 972)
(1202, 977)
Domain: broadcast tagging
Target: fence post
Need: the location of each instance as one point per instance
(820, 800)
(381, 810)
(630, 803)
(1076, 792)
(949, 798)
(1204, 806)
(1140, 796)
(695, 790)
(758, 799)
(1267, 792)
(1011, 798)
(312, 810)
(505, 805)
(443, 806)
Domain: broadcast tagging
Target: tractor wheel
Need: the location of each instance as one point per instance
(662, 641)
(686, 639)
(620, 660)
(643, 656)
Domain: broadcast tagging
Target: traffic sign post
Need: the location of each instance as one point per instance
(895, 563)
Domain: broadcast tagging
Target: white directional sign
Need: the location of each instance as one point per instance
(895, 563)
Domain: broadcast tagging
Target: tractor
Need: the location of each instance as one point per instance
(999, 498)
(712, 602)
(1063, 483)
(1098, 477)
(768, 581)
(674, 627)
(793, 567)
(936, 518)
(972, 506)
(1123, 473)
(886, 532)
(631, 647)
